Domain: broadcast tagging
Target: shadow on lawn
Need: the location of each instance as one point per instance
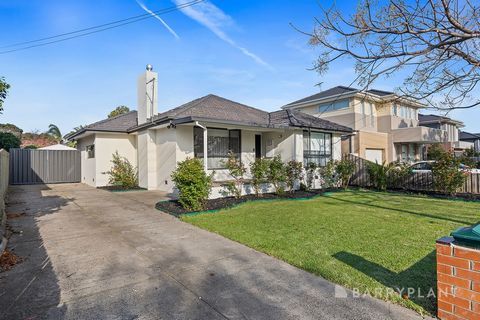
(371, 204)
(420, 277)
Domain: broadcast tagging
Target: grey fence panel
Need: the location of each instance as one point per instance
(30, 166)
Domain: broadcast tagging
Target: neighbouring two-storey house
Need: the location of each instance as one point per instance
(450, 126)
(386, 126)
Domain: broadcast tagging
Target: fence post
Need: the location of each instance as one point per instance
(4, 172)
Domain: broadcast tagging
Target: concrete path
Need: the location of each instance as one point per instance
(93, 254)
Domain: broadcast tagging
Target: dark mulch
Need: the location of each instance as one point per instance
(173, 207)
(120, 188)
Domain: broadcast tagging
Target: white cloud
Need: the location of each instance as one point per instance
(144, 7)
(215, 20)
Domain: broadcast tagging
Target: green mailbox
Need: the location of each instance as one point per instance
(470, 235)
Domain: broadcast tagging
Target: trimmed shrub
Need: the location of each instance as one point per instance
(9, 140)
(330, 178)
(447, 176)
(122, 173)
(277, 174)
(236, 169)
(294, 170)
(259, 170)
(193, 183)
(311, 171)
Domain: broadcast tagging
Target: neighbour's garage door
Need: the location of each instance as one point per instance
(374, 155)
(29, 166)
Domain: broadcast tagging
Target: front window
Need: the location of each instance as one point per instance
(219, 143)
(317, 148)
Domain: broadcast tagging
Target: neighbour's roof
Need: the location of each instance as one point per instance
(293, 118)
(335, 91)
(212, 108)
(465, 136)
(433, 118)
(57, 146)
(380, 93)
(120, 123)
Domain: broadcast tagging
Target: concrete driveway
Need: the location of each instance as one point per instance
(93, 254)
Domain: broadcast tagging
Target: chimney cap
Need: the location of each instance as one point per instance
(149, 67)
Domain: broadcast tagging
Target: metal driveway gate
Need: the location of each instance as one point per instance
(30, 166)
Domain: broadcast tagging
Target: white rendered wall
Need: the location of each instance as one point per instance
(87, 165)
(147, 159)
(106, 144)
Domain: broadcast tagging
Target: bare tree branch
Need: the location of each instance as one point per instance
(435, 42)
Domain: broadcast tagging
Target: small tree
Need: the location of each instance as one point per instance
(258, 170)
(123, 173)
(9, 140)
(447, 176)
(193, 183)
(467, 158)
(118, 111)
(237, 170)
(345, 168)
(277, 174)
(294, 170)
(435, 152)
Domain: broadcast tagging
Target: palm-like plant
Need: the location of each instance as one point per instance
(54, 131)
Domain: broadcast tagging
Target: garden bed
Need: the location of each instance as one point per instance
(174, 207)
(120, 188)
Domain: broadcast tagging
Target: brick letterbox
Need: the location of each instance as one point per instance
(458, 278)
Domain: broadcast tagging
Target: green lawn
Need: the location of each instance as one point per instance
(359, 239)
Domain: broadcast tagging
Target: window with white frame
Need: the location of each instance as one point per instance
(219, 143)
(317, 148)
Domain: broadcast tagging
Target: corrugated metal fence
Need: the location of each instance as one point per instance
(29, 166)
(417, 181)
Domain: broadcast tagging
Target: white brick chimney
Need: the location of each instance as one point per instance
(147, 94)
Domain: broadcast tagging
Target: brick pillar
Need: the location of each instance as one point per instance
(458, 280)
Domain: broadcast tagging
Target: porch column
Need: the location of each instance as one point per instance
(205, 149)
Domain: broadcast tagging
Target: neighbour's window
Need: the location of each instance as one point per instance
(332, 106)
(317, 148)
(394, 110)
(219, 143)
(90, 150)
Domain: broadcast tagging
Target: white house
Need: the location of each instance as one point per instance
(154, 142)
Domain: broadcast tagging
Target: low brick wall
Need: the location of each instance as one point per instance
(458, 280)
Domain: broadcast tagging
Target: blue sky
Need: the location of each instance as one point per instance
(242, 50)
